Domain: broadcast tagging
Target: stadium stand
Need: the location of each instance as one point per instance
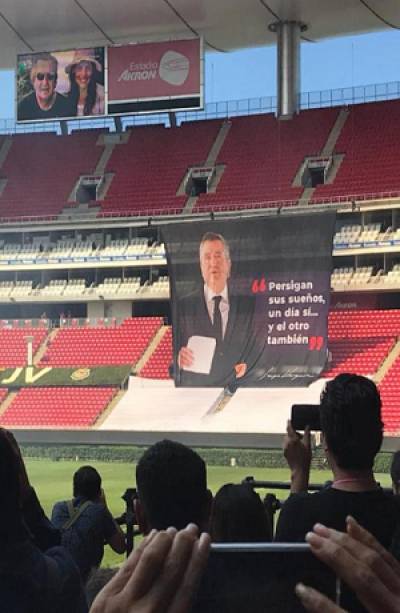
(359, 341)
(390, 394)
(363, 324)
(13, 349)
(42, 169)
(359, 355)
(57, 406)
(123, 344)
(158, 161)
(262, 156)
(157, 367)
(370, 128)
(3, 394)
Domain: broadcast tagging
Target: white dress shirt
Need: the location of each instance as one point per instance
(223, 305)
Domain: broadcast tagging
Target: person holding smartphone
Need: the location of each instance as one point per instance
(352, 432)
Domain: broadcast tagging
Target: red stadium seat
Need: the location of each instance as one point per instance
(60, 407)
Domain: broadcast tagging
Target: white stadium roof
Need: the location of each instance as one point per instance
(38, 25)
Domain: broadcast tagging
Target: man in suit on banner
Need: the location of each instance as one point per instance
(216, 340)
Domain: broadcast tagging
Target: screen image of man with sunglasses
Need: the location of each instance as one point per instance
(44, 102)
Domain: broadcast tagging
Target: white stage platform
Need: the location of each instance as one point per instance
(158, 406)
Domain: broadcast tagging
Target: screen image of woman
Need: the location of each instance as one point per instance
(86, 93)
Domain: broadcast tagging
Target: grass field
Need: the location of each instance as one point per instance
(53, 482)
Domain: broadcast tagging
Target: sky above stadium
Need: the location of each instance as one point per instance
(251, 73)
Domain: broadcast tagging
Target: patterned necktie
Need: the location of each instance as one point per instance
(217, 320)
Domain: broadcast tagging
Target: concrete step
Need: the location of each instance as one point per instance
(335, 132)
(80, 210)
(218, 143)
(4, 149)
(150, 349)
(306, 196)
(211, 161)
(108, 410)
(189, 205)
(6, 402)
(43, 347)
(388, 362)
(103, 161)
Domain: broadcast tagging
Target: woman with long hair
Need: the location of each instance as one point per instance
(86, 93)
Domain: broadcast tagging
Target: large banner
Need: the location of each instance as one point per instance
(155, 76)
(60, 84)
(250, 300)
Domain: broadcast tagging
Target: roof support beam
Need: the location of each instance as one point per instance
(288, 40)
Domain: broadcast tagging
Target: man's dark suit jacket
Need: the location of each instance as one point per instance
(238, 345)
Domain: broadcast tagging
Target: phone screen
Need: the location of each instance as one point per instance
(306, 415)
(261, 577)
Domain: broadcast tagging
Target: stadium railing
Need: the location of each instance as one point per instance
(223, 109)
(349, 200)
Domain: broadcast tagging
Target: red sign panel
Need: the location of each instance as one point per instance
(154, 71)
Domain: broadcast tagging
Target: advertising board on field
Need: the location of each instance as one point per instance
(155, 76)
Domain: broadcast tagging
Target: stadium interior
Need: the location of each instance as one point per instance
(84, 281)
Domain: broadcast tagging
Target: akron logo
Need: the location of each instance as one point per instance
(174, 68)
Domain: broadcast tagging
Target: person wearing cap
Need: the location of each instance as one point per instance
(44, 102)
(86, 94)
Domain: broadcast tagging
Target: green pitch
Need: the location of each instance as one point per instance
(53, 482)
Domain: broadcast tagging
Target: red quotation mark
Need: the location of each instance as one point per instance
(259, 286)
(315, 343)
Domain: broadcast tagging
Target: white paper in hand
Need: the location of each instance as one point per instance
(203, 348)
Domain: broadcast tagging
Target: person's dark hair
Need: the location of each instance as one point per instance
(91, 92)
(395, 469)
(172, 486)
(238, 515)
(351, 420)
(87, 483)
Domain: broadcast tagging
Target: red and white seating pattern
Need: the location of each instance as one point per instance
(42, 169)
(13, 345)
(151, 166)
(370, 142)
(263, 154)
(57, 406)
(3, 393)
(390, 394)
(102, 346)
(158, 364)
(360, 340)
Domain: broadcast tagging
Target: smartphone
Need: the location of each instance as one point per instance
(261, 578)
(304, 415)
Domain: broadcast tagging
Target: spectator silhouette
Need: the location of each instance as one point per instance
(31, 580)
(172, 489)
(239, 516)
(352, 432)
(395, 473)
(86, 523)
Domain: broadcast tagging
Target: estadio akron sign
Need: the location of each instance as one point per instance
(155, 76)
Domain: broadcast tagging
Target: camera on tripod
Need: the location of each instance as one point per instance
(128, 518)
